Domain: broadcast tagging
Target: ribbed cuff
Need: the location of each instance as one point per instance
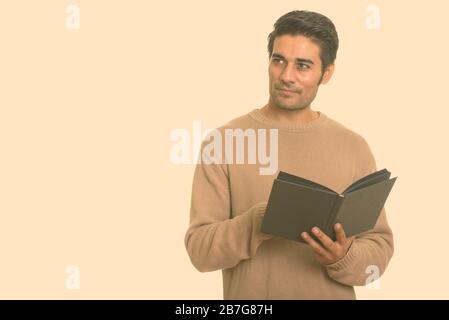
(345, 262)
(259, 213)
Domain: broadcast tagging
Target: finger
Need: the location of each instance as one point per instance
(315, 246)
(327, 242)
(340, 234)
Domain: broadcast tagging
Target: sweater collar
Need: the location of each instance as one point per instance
(257, 115)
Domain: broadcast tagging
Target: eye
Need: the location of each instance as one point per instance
(277, 60)
(302, 66)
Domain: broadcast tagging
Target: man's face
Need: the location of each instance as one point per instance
(295, 65)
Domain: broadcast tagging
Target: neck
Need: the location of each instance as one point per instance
(289, 116)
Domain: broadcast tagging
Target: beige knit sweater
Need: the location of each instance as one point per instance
(229, 200)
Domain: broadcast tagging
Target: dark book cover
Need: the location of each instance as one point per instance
(296, 205)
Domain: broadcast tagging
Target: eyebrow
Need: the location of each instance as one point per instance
(302, 60)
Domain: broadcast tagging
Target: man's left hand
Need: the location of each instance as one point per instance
(329, 251)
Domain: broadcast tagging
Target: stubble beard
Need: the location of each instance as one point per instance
(287, 106)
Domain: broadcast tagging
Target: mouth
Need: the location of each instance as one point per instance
(286, 91)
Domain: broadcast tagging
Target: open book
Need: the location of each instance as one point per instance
(296, 205)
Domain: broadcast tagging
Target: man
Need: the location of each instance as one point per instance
(229, 200)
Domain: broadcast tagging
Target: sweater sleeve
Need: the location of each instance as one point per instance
(213, 239)
(373, 248)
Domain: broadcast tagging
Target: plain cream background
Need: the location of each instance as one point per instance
(86, 115)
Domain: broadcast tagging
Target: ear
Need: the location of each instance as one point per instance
(328, 73)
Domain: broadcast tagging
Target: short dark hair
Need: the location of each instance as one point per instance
(313, 25)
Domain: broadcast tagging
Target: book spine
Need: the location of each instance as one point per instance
(333, 215)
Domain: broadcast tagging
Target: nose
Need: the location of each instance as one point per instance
(287, 74)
